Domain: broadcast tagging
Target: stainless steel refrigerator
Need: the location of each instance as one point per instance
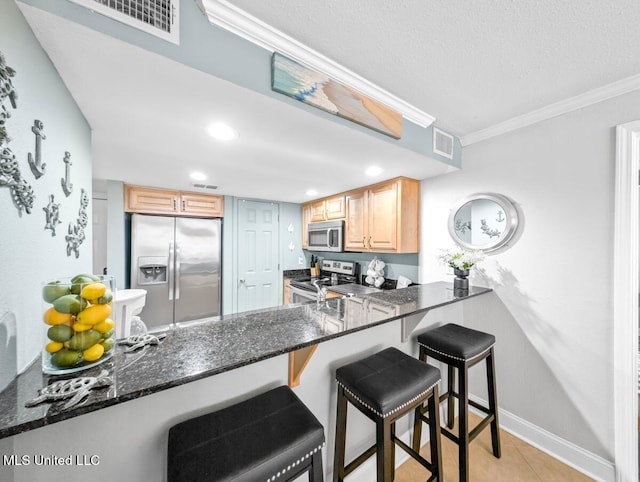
(177, 260)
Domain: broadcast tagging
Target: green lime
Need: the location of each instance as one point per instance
(66, 358)
(73, 304)
(84, 339)
(60, 333)
(53, 291)
(108, 344)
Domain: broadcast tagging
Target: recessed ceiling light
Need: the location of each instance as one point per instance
(198, 176)
(312, 192)
(221, 132)
(373, 171)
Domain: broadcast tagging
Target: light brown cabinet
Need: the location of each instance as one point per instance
(384, 217)
(317, 211)
(328, 209)
(306, 219)
(147, 200)
(335, 208)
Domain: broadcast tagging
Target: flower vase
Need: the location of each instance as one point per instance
(460, 282)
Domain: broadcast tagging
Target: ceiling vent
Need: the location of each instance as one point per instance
(157, 17)
(442, 143)
(205, 186)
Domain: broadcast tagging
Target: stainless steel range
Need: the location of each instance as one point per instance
(339, 276)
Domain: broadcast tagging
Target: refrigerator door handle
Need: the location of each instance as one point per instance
(170, 269)
(177, 272)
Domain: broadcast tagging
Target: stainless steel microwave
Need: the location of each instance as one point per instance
(327, 236)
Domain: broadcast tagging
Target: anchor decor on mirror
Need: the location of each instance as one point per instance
(75, 236)
(52, 213)
(10, 175)
(67, 187)
(493, 217)
(35, 161)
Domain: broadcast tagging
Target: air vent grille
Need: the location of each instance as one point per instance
(442, 143)
(205, 186)
(158, 17)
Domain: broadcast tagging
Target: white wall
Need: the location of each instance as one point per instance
(29, 255)
(552, 315)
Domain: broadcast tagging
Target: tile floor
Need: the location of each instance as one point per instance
(519, 462)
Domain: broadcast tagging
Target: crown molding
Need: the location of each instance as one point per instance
(239, 22)
(553, 110)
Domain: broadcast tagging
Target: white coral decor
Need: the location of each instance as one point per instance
(461, 258)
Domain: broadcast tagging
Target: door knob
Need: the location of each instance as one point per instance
(241, 281)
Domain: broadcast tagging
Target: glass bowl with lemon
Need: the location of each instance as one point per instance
(79, 325)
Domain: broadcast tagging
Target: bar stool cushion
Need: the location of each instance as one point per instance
(457, 342)
(387, 381)
(259, 439)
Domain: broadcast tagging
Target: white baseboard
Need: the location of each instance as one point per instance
(568, 453)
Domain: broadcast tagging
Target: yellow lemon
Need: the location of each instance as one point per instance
(93, 353)
(94, 314)
(53, 346)
(81, 327)
(93, 291)
(105, 326)
(54, 317)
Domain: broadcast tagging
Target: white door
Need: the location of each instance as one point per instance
(99, 207)
(258, 242)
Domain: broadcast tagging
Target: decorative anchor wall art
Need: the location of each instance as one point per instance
(52, 213)
(10, 175)
(75, 236)
(67, 187)
(35, 162)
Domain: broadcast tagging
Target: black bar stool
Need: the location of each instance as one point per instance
(385, 387)
(272, 436)
(462, 348)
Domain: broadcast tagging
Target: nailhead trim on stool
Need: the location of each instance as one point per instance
(454, 357)
(371, 409)
(294, 464)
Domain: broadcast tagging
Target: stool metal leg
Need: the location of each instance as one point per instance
(463, 424)
(451, 403)
(493, 405)
(341, 433)
(384, 447)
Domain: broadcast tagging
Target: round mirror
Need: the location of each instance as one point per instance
(483, 221)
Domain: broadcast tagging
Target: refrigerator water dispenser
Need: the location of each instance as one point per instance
(152, 270)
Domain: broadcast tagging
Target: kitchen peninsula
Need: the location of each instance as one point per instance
(198, 350)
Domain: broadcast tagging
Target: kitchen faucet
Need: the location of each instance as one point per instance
(322, 292)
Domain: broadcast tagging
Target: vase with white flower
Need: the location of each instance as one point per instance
(461, 260)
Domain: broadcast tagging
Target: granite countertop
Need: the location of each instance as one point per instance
(200, 349)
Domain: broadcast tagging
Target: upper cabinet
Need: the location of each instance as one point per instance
(146, 200)
(378, 218)
(384, 217)
(306, 219)
(328, 209)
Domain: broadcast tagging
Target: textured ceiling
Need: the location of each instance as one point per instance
(470, 63)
